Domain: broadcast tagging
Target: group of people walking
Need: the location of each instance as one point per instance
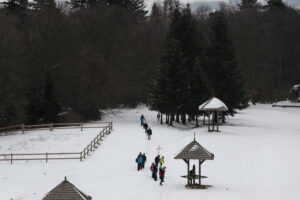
(141, 159)
(145, 125)
(158, 166)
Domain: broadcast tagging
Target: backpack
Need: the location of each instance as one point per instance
(152, 167)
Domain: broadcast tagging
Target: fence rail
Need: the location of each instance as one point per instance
(22, 127)
(106, 130)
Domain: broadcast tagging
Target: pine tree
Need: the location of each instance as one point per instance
(43, 105)
(156, 14)
(224, 74)
(135, 6)
(78, 4)
(248, 4)
(44, 5)
(50, 106)
(181, 86)
(15, 6)
(276, 4)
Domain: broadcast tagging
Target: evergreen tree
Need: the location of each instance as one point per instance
(15, 6)
(276, 4)
(77, 4)
(135, 6)
(50, 105)
(248, 4)
(44, 5)
(224, 74)
(43, 105)
(156, 14)
(181, 86)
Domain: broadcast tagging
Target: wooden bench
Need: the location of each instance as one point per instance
(193, 177)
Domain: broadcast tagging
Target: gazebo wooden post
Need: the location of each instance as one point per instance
(208, 121)
(188, 172)
(212, 120)
(199, 172)
(217, 121)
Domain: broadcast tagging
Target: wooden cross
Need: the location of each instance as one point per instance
(158, 148)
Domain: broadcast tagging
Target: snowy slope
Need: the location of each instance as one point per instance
(256, 157)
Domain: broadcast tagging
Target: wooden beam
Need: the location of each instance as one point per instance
(200, 172)
(188, 171)
(185, 160)
(202, 161)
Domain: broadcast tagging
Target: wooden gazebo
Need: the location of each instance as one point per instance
(66, 191)
(213, 107)
(194, 151)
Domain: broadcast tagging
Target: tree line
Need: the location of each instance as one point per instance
(192, 70)
(65, 63)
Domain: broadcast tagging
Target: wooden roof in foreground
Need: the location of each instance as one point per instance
(195, 151)
(66, 191)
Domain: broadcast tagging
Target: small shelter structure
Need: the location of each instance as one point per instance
(213, 107)
(66, 191)
(194, 151)
(295, 93)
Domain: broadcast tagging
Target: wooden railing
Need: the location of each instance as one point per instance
(106, 130)
(22, 127)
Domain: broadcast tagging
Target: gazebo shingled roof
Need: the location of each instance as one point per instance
(195, 151)
(66, 191)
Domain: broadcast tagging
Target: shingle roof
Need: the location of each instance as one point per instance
(66, 191)
(195, 151)
(213, 104)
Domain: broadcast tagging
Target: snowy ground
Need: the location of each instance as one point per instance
(256, 157)
(42, 141)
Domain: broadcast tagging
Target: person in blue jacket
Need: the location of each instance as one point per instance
(139, 160)
(142, 118)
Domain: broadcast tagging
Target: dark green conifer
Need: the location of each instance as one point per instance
(224, 74)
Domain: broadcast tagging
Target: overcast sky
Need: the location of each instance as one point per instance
(213, 3)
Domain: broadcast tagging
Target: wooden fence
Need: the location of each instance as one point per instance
(22, 127)
(106, 130)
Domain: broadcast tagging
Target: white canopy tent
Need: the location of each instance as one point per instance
(213, 106)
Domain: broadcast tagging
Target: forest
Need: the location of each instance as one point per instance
(66, 62)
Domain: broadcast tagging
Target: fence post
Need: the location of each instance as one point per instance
(81, 127)
(22, 128)
(51, 127)
(46, 157)
(11, 158)
(111, 126)
(80, 156)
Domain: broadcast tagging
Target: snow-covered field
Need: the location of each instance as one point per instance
(42, 141)
(256, 157)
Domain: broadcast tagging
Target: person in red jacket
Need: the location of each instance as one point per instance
(162, 171)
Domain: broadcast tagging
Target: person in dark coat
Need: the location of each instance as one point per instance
(145, 125)
(156, 159)
(139, 161)
(154, 169)
(144, 160)
(192, 177)
(149, 133)
(162, 171)
(158, 117)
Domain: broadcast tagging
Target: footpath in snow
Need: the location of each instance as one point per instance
(256, 157)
